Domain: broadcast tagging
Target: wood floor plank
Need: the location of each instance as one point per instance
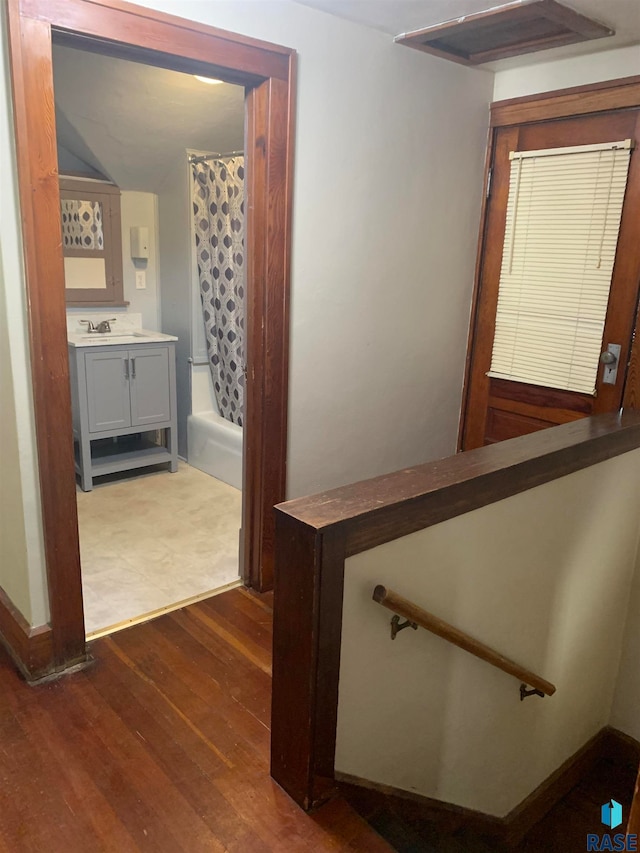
(161, 746)
(238, 735)
(170, 817)
(183, 757)
(34, 809)
(236, 638)
(96, 818)
(245, 614)
(244, 685)
(262, 599)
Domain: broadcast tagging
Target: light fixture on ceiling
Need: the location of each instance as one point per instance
(211, 80)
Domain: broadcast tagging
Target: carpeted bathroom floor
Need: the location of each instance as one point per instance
(150, 541)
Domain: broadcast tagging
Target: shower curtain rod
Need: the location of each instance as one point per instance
(201, 158)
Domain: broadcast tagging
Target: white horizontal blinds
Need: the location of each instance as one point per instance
(563, 218)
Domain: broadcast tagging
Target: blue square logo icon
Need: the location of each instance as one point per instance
(611, 814)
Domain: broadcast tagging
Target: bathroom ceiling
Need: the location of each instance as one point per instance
(400, 16)
(130, 122)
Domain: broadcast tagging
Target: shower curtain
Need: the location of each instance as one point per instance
(218, 209)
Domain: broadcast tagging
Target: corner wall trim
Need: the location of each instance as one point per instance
(31, 649)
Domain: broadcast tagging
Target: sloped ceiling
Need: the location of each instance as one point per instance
(132, 122)
(401, 16)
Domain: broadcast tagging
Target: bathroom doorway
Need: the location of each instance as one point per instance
(169, 178)
(266, 71)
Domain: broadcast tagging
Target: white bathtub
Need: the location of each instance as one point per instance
(215, 447)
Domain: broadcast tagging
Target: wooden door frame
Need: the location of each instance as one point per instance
(268, 73)
(578, 101)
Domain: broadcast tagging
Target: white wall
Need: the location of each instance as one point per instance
(174, 229)
(542, 577)
(138, 208)
(564, 73)
(388, 175)
(22, 568)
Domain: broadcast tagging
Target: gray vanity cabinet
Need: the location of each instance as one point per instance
(107, 388)
(122, 399)
(150, 398)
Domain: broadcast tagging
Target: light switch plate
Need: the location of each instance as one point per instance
(141, 280)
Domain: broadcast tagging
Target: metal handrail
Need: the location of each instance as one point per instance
(416, 616)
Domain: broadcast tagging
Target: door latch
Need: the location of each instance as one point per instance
(610, 358)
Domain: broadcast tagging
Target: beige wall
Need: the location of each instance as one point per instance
(21, 545)
(388, 179)
(544, 578)
(563, 73)
(626, 707)
(14, 576)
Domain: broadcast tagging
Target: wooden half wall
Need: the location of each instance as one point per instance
(315, 535)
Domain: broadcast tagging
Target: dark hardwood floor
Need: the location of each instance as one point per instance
(162, 744)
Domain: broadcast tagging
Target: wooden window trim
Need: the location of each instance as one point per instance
(108, 195)
(268, 73)
(618, 94)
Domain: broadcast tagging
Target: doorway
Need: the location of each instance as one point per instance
(559, 264)
(157, 398)
(266, 72)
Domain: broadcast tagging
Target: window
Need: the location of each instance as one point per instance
(91, 243)
(563, 218)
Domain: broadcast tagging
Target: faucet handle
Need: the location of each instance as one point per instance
(90, 326)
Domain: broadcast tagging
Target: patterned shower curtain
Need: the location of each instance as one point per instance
(218, 208)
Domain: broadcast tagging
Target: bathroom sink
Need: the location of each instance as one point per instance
(124, 337)
(97, 336)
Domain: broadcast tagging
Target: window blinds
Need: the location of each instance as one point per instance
(563, 218)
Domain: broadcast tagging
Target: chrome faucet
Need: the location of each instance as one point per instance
(102, 327)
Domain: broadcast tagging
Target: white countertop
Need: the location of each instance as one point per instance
(124, 337)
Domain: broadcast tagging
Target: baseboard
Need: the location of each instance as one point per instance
(540, 801)
(31, 649)
(608, 743)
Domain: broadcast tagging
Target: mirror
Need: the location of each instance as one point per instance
(91, 242)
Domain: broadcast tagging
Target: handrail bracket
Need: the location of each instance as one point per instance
(397, 626)
(525, 691)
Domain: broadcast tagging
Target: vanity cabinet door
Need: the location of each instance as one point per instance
(108, 403)
(150, 397)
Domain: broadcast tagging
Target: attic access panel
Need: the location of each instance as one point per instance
(511, 30)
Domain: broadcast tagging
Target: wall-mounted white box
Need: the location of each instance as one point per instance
(139, 241)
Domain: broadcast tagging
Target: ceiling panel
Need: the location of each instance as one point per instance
(400, 16)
